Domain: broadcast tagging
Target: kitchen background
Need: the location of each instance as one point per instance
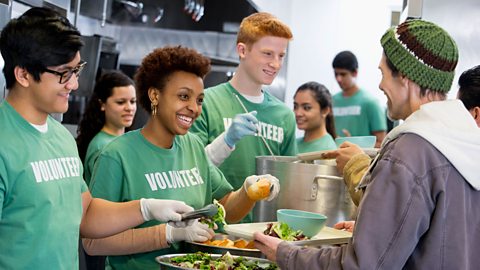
(118, 33)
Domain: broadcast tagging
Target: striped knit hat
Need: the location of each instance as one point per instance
(423, 52)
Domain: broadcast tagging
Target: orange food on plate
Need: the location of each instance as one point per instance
(222, 243)
(240, 243)
(250, 245)
(259, 190)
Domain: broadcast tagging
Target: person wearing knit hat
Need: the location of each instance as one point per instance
(420, 193)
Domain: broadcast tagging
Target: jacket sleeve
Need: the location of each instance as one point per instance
(393, 215)
(353, 172)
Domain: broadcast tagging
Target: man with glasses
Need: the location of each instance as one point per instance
(66, 75)
(44, 200)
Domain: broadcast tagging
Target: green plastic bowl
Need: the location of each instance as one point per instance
(362, 141)
(308, 222)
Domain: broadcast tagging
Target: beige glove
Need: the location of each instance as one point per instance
(353, 172)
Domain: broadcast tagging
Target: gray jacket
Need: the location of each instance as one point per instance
(420, 209)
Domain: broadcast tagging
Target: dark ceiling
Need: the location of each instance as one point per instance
(216, 14)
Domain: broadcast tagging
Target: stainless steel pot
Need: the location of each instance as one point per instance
(315, 187)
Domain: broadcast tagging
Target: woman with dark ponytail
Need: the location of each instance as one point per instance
(110, 110)
(313, 112)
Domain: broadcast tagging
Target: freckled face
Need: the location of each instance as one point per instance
(264, 58)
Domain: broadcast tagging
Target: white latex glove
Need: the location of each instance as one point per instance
(163, 210)
(181, 224)
(197, 232)
(274, 185)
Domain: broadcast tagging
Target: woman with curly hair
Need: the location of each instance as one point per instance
(164, 160)
(110, 110)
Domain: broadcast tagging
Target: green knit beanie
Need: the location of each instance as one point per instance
(423, 52)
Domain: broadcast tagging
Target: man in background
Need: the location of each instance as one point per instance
(469, 92)
(356, 112)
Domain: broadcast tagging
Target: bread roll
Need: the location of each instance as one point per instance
(259, 190)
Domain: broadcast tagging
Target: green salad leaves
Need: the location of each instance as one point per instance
(201, 260)
(218, 218)
(283, 231)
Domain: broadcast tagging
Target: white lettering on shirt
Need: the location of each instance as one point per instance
(173, 179)
(346, 111)
(55, 169)
(265, 130)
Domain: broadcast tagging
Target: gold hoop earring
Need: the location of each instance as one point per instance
(154, 109)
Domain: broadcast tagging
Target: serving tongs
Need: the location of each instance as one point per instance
(207, 211)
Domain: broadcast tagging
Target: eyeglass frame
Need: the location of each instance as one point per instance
(76, 70)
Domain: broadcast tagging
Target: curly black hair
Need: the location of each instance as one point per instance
(158, 65)
(93, 119)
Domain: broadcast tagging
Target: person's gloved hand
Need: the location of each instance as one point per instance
(163, 210)
(181, 224)
(196, 232)
(242, 125)
(259, 187)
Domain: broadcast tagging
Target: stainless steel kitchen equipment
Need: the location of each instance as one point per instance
(304, 186)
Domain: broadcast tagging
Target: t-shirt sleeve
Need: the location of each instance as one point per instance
(107, 178)
(220, 185)
(290, 144)
(377, 116)
(3, 185)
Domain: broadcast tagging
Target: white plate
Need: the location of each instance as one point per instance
(327, 236)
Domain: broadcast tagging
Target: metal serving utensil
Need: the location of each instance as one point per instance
(207, 211)
(263, 139)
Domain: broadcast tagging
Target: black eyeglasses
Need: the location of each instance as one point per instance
(67, 75)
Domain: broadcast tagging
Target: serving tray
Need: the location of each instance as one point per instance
(327, 236)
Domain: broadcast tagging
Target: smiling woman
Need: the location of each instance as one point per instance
(313, 112)
(164, 160)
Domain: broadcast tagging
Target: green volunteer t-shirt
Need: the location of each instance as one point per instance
(40, 193)
(326, 142)
(361, 114)
(276, 125)
(94, 148)
(130, 168)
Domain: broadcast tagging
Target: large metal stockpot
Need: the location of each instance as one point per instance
(315, 187)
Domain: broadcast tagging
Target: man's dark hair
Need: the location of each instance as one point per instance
(38, 39)
(469, 91)
(346, 60)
